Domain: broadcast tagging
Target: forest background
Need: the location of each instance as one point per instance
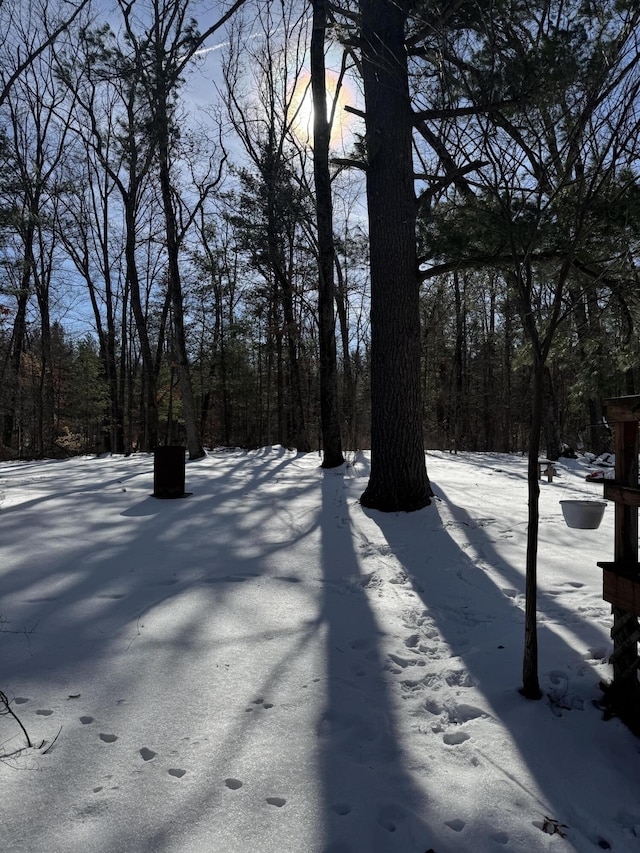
(158, 220)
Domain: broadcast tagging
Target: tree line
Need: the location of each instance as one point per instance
(211, 276)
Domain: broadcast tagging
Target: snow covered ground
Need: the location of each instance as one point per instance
(265, 667)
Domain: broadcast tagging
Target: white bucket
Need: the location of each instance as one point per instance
(585, 515)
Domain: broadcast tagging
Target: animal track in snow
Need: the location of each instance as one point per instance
(108, 738)
(432, 707)
(178, 772)
(500, 837)
(458, 678)
(464, 713)
(147, 754)
(456, 824)
(44, 712)
(402, 662)
(86, 720)
(233, 784)
(20, 700)
(455, 738)
(342, 809)
(390, 815)
(260, 702)
(279, 802)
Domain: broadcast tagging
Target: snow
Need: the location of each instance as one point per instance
(266, 666)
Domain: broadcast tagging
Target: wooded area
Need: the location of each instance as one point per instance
(173, 272)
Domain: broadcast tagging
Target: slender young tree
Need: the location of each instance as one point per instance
(330, 425)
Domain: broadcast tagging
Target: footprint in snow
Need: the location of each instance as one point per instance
(279, 802)
(390, 815)
(412, 641)
(86, 720)
(108, 738)
(402, 662)
(464, 713)
(456, 824)
(500, 837)
(147, 754)
(44, 712)
(178, 772)
(455, 738)
(233, 784)
(342, 809)
(20, 700)
(459, 678)
(260, 702)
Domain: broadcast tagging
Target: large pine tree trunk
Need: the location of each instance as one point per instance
(398, 478)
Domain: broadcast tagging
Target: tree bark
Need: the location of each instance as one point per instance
(11, 371)
(398, 480)
(530, 683)
(330, 424)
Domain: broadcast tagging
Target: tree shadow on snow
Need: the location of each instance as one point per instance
(134, 593)
(371, 804)
(460, 604)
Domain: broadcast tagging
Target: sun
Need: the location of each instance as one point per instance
(301, 110)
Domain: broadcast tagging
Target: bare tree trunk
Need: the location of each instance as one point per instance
(330, 423)
(349, 402)
(11, 372)
(194, 443)
(150, 435)
(530, 684)
(398, 478)
(551, 426)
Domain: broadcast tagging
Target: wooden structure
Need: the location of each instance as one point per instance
(621, 586)
(545, 466)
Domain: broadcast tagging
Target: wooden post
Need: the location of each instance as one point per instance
(625, 624)
(622, 580)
